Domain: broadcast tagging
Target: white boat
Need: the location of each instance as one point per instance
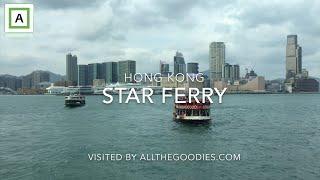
(74, 100)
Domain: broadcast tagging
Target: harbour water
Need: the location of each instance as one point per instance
(277, 136)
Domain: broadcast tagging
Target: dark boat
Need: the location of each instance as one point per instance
(74, 100)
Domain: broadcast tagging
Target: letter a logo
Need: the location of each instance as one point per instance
(18, 18)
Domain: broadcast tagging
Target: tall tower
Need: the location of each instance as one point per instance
(72, 68)
(216, 60)
(293, 57)
(164, 68)
(193, 68)
(83, 75)
(126, 67)
(179, 64)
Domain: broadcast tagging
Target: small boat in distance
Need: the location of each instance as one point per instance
(192, 112)
(74, 100)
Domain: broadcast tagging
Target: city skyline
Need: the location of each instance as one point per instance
(253, 40)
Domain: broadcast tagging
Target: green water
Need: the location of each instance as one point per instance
(278, 137)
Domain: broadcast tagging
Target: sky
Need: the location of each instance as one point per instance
(148, 31)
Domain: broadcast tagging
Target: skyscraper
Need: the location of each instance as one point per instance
(94, 72)
(231, 72)
(179, 64)
(115, 72)
(72, 68)
(193, 68)
(33, 79)
(216, 60)
(109, 72)
(126, 67)
(293, 57)
(236, 72)
(83, 75)
(164, 68)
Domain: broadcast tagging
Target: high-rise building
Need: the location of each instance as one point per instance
(39, 77)
(115, 72)
(83, 75)
(227, 74)
(164, 68)
(126, 67)
(216, 60)
(305, 73)
(193, 68)
(109, 72)
(106, 72)
(94, 72)
(293, 57)
(33, 79)
(179, 64)
(231, 72)
(71, 68)
(236, 72)
(11, 82)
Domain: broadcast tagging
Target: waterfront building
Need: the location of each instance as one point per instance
(12, 82)
(275, 85)
(306, 85)
(236, 72)
(33, 79)
(193, 68)
(71, 68)
(55, 90)
(94, 72)
(39, 77)
(76, 89)
(305, 73)
(231, 72)
(115, 72)
(27, 81)
(109, 72)
(250, 75)
(179, 64)
(256, 84)
(172, 83)
(216, 60)
(83, 75)
(227, 72)
(164, 68)
(293, 57)
(99, 83)
(126, 67)
(194, 84)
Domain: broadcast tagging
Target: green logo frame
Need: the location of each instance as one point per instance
(28, 18)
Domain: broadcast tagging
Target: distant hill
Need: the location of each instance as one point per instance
(56, 77)
(53, 76)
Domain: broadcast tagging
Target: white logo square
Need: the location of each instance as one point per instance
(18, 18)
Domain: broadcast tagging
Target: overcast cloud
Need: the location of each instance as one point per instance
(149, 31)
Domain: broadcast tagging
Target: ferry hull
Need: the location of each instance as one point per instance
(192, 118)
(73, 103)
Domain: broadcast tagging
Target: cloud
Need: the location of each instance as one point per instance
(150, 30)
(66, 4)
